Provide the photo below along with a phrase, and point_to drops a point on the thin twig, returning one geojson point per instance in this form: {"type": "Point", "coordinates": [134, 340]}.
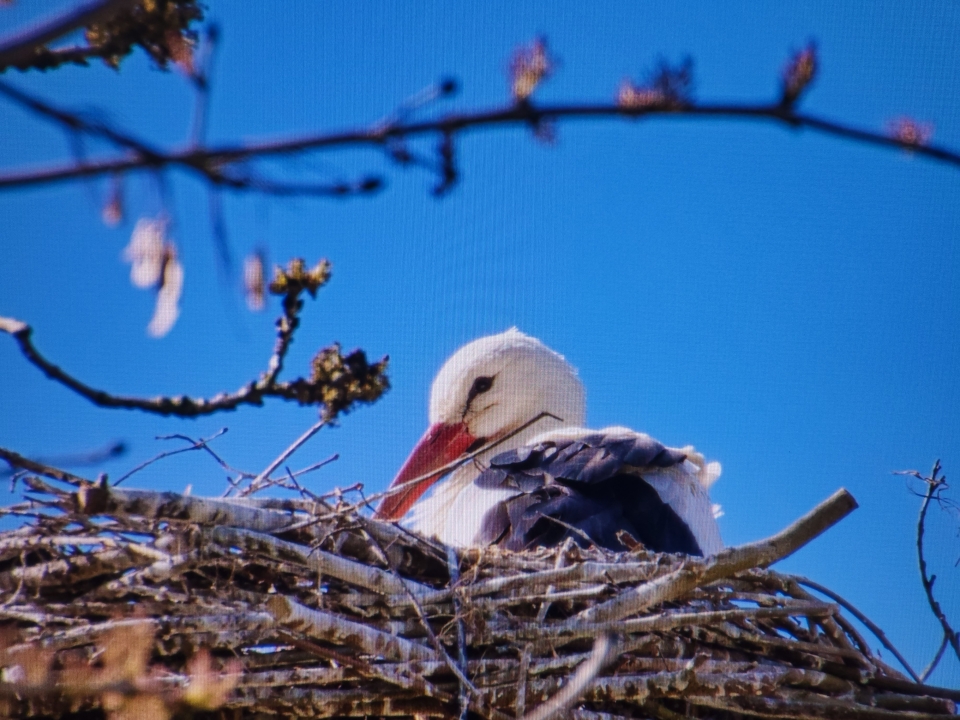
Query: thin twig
{"type": "Point", "coordinates": [934, 485]}
{"type": "Point", "coordinates": [258, 481]}
{"type": "Point", "coordinates": [201, 81]}
{"type": "Point", "coordinates": [210, 451]}
{"type": "Point", "coordinates": [468, 689]}
{"type": "Point", "coordinates": [424, 621]}
{"type": "Point", "coordinates": [579, 684]}
{"type": "Point", "coordinates": [290, 483]}
{"type": "Point", "coordinates": [317, 466]}
{"type": "Point", "coordinates": [250, 394]}
{"type": "Point", "coordinates": [873, 627]}
{"type": "Point", "coordinates": [76, 123]}
{"type": "Point", "coordinates": [196, 445]}
{"type": "Point", "coordinates": [453, 464]}
{"type": "Point", "coordinates": [928, 670]}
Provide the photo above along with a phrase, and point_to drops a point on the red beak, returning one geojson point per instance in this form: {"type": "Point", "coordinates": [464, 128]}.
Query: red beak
{"type": "Point", "coordinates": [440, 445]}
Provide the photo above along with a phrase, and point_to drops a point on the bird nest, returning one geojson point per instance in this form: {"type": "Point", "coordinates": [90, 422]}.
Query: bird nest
{"type": "Point", "coordinates": [129, 603]}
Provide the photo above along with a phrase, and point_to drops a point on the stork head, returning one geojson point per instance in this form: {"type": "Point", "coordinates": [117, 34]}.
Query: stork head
{"type": "Point", "coordinates": [487, 390]}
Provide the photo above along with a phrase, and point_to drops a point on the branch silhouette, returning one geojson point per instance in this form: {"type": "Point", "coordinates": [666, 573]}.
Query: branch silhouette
{"type": "Point", "coordinates": [22, 49]}
{"type": "Point", "coordinates": [666, 94]}
{"type": "Point", "coordinates": [337, 382]}
{"type": "Point", "coordinates": [936, 483]}
{"type": "Point", "coordinates": [112, 29]}
{"type": "Point", "coordinates": [220, 165]}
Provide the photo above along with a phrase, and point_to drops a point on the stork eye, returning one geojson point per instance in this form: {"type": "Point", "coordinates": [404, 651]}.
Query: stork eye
{"type": "Point", "coordinates": [481, 385]}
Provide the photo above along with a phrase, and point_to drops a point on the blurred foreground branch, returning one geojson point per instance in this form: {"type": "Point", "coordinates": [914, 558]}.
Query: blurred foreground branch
{"type": "Point", "coordinates": [666, 93]}
{"type": "Point", "coordinates": [113, 28]}
{"type": "Point", "coordinates": [22, 50]}
{"type": "Point", "coordinates": [224, 165]}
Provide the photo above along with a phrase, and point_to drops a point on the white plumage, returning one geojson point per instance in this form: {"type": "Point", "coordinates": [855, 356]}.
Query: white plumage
{"type": "Point", "coordinates": [490, 388]}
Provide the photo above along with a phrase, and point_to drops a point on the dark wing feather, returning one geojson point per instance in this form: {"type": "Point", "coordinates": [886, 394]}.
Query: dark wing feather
{"type": "Point", "coordinates": [575, 488]}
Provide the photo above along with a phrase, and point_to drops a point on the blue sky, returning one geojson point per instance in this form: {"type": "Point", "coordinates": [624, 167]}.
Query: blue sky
{"type": "Point", "coordinates": [784, 301]}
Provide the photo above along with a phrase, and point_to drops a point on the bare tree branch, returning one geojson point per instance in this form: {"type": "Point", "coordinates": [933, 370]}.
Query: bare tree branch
{"type": "Point", "coordinates": [77, 123]}
{"type": "Point", "coordinates": [250, 394]}
{"type": "Point", "coordinates": [239, 177]}
{"type": "Point", "coordinates": [19, 48]}
{"type": "Point", "coordinates": [337, 382]}
{"type": "Point", "coordinates": [935, 484]}
{"type": "Point", "coordinates": [214, 163]}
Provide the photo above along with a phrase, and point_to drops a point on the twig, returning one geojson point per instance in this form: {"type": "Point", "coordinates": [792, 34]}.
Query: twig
{"type": "Point", "coordinates": [326, 653]}
{"type": "Point", "coordinates": [365, 185]}
{"type": "Point", "coordinates": [578, 685]}
{"type": "Point", "coordinates": [316, 466]}
{"type": "Point", "coordinates": [424, 621]}
{"type": "Point", "coordinates": [196, 445]}
{"type": "Point", "coordinates": [21, 47]}
{"type": "Point", "coordinates": [289, 481]}
{"type": "Point", "coordinates": [250, 394]}
{"type": "Point", "coordinates": [468, 692]}
{"type": "Point", "coordinates": [663, 623]}
{"type": "Point", "coordinates": [204, 445]}
{"type": "Point", "coordinates": [258, 481]}
{"type": "Point", "coordinates": [101, 499]}
{"type": "Point", "coordinates": [454, 463]}
{"type": "Point", "coordinates": [852, 609]}
{"type": "Point", "coordinates": [569, 528]}
{"type": "Point", "coordinates": [928, 670]}
{"type": "Point", "coordinates": [201, 81]}
{"type": "Point", "coordinates": [75, 123]}
{"type": "Point", "coordinates": [934, 484]}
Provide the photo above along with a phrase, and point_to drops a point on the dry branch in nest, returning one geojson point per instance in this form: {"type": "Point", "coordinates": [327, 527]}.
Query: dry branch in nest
{"type": "Point", "coordinates": [131, 603]}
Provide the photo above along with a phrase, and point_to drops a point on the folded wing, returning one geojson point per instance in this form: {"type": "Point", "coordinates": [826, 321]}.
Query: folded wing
{"type": "Point", "coordinates": [595, 486]}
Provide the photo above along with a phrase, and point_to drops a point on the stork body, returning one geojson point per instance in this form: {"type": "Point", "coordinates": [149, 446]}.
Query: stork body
{"type": "Point", "coordinates": [551, 480]}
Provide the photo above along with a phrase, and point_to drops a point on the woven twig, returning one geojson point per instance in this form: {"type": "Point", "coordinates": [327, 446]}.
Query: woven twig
{"type": "Point", "coordinates": [328, 614]}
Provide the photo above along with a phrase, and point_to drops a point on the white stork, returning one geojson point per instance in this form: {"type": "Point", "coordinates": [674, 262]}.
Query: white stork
{"type": "Point", "coordinates": [552, 479]}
